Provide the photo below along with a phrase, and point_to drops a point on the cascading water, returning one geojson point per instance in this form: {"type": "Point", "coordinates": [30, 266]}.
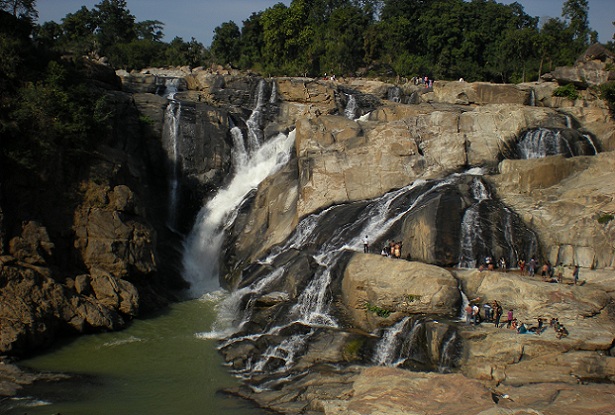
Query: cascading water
{"type": "Point", "coordinates": [171, 136]}
{"type": "Point", "coordinates": [489, 229]}
{"type": "Point", "coordinates": [254, 123]}
{"type": "Point", "coordinates": [387, 349]}
{"type": "Point", "coordinates": [202, 246]}
{"type": "Point", "coordinates": [314, 237]}
{"type": "Point", "coordinates": [543, 142]}
{"type": "Point", "coordinates": [350, 111]}
{"type": "Point", "coordinates": [471, 231]}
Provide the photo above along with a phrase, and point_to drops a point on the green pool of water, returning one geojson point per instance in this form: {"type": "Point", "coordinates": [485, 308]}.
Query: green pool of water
{"type": "Point", "coordinates": [156, 366]}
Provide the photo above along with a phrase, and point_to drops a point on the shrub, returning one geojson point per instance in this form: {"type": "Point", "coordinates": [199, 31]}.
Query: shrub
{"type": "Point", "coordinates": [379, 311]}
{"type": "Point", "coordinates": [567, 91]}
{"type": "Point", "coordinates": [607, 93]}
{"type": "Point", "coordinates": [605, 218]}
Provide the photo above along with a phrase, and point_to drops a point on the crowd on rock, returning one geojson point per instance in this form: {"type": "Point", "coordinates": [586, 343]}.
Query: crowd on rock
{"type": "Point", "coordinates": [493, 312]}
{"type": "Point", "coordinates": [547, 271]}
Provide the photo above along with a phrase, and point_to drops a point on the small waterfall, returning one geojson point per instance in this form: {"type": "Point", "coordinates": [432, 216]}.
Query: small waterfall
{"type": "Point", "coordinates": [255, 122]}
{"type": "Point", "coordinates": [471, 230]}
{"type": "Point", "coordinates": [167, 87]}
{"type": "Point", "coordinates": [172, 134]}
{"type": "Point", "coordinates": [590, 141]}
{"type": "Point", "coordinates": [568, 121]}
{"type": "Point", "coordinates": [543, 142]}
{"type": "Point", "coordinates": [388, 347]}
{"type": "Point", "coordinates": [202, 246]}
{"type": "Point", "coordinates": [274, 92]}
{"type": "Point", "coordinates": [532, 98]}
{"type": "Point", "coordinates": [350, 111]}
{"type": "Point", "coordinates": [449, 353]}
{"type": "Point", "coordinates": [463, 314]}
{"type": "Point", "coordinates": [394, 94]}
{"type": "Point", "coordinates": [539, 143]}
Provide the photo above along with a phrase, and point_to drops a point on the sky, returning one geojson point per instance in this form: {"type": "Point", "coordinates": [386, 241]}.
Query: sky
{"type": "Point", "coordinates": [199, 18]}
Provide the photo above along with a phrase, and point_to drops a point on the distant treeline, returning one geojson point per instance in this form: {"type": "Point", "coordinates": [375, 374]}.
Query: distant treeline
{"type": "Point", "coordinates": [444, 39]}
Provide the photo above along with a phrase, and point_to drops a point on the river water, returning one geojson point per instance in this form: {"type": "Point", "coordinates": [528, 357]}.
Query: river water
{"type": "Point", "coordinates": [160, 365]}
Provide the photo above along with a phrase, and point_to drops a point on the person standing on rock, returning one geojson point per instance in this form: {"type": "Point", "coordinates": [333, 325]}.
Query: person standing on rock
{"type": "Point", "coordinates": [575, 274]}
{"type": "Point", "coordinates": [497, 308]}
{"type": "Point", "coordinates": [509, 319]}
{"type": "Point", "coordinates": [365, 244]}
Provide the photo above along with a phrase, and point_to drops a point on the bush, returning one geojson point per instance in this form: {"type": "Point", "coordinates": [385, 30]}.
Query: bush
{"type": "Point", "coordinates": [605, 218]}
{"type": "Point", "coordinates": [567, 91]}
{"type": "Point", "coordinates": [607, 93]}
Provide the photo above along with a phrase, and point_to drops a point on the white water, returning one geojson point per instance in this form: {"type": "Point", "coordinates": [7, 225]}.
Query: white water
{"type": "Point", "coordinates": [591, 142]}
{"type": "Point", "coordinates": [386, 350]}
{"type": "Point", "coordinates": [172, 133]}
{"type": "Point", "coordinates": [350, 111]}
{"type": "Point", "coordinates": [471, 231]}
{"type": "Point", "coordinates": [543, 142]}
{"type": "Point", "coordinates": [255, 132]}
{"type": "Point", "coordinates": [203, 244]}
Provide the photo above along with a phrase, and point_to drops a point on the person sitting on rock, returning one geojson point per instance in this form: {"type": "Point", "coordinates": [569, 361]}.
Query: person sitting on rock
{"type": "Point", "coordinates": [562, 332]}
{"type": "Point", "coordinates": [522, 329]}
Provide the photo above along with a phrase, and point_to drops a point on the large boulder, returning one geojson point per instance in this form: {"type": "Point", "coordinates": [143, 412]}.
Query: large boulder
{"type": "Point", "coordinates": [568, 202]}
{"type": "Point", "coordinates": [373, 282]}
{"type": "Point", "coordinates": [112, 235]}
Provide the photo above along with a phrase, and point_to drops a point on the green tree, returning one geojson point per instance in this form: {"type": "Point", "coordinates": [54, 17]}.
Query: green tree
{"type": "Point", "coordinates": [114, 24]}
{"type": "Point", "coordinates": [150, 30]}
{"type": "Point", "coordinates": [225, 46]}
{"type": "Point", "coordinates": [576, 13]}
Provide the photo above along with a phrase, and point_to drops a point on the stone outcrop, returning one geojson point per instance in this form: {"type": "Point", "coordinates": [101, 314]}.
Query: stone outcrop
{"type": "Point", "coordinates": [593, 68]}
{"type": "Point", "coordinates": [568, 202]}
{"type": "Point", "coordinates": [397, 286]}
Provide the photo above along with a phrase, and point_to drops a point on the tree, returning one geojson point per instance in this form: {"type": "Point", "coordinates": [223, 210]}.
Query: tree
{"type": "Point", "coordinates": [23, 9]}
{"type": "Point", "coordinates": [225, 46]}
{"type": "Point", "coordinates": [150, 30]}
{"type": "Point", "coordinates": [114, 24]}
{"type": "Point", "coordinates": [576, 13]}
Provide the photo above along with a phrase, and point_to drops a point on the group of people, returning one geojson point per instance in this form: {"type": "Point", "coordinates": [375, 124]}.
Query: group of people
{"type": "Point", "coordinates": [422, 80]}
{"type": "Point", "coordinates": [547, 271]}
{"type": "Point", "coordinates": [493, 314]}
{"type": "Point", "coordinates": [392, 249]}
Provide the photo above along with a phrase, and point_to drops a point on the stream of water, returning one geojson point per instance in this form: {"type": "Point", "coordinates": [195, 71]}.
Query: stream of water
{"type": "Point", "coordinates": [157, 366]}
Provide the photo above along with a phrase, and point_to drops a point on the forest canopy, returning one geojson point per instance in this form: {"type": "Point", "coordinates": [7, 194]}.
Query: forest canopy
{"type": "Point", "coordinates": [444, 39]}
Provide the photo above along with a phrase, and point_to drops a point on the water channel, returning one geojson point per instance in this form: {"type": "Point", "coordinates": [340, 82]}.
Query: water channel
{"type": "Point", "coordinates": [159, 365]}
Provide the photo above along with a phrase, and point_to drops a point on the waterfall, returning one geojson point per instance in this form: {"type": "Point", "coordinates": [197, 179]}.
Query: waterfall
{"type": "Point", "coordinates": [448, 354]}
{"type": "Point", "coordinates": [254, 123]}
{"type": "Point", "coordinates": [388, 347]}
{"type": "Point", "coordinates": [471, 230]}
{"type": "Point", "coordinates": [463, 314]}
{"type": "Point", "coordinates": [311, 308]}
{"type": "Point", "coordinates": [394, 94]}
{"type": "Point", "coordinates": [350, 111]}
{"type": "Point", "coordinates": [532, 98]}
{"type": "Point", "coordinates": [167, 87]}
{"type": "Point", "coordinates": [568, 121]}
{"type": "Point", "coordinates": [171, 131]}
{"type": "Point", "coordinates": [590, 141]}
{"type": "Point", "coordinates": [203, 244]}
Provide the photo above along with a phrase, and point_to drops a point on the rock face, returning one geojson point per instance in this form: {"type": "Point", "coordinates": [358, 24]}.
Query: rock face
{"type": "Point", "coordinates": [396, 285]}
